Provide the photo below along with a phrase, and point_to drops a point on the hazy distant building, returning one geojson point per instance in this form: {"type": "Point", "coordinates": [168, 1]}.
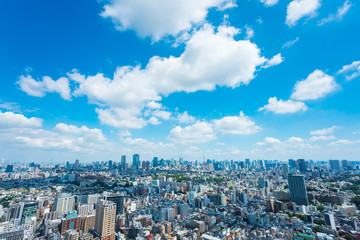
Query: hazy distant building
{"type": "Point", "coordinates": [123, 162]}
{"type": "Point", "coordinates": [335, 165]}
{"type": "Point", "coordinates": [136, 161]}
{"type": "Point", "coordinates": [297, 187]}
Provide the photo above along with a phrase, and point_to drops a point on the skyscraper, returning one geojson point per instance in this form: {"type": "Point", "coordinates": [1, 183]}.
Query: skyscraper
{"type": "Point", "coordinates": [335, 165]}
{"type": "Point", "coordinates": [105, 220]}
{"type": "Point", "coordinates": [302, 165]}
{"type": "Point", "coordinates": [119, 200]}
{"type": "Point", "coordinates": [123, 162]}
{"type": "Point", "coordinates": [136, 161]}
{"type": "Point", "coordinates": [297, 187]}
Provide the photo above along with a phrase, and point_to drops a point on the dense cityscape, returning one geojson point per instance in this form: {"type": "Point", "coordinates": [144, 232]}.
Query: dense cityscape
{"type": "Point", "coordinates": [181, 200]}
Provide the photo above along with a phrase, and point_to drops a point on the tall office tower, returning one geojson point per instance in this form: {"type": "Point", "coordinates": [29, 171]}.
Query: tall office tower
{"type": "Point", "coordinates": [64, 203]}
{"type": "Point", "coordinates": [123, 162]}
{"type": "Point", "coordinates": [302, 165]}
{"type": "Point", "coordinates": [105, 220]}
{"type": "Point", "coordinates": [77, 164]}
{"type": "Point", "coordinates": [85, 209]}
{"type": "Point", "coordinates": [155, 162]}
{"type": "Point", "coordinates": [247, 162]}
{"type": "Point", "coordinates": [118, 199]}
{"type": "Point", "coordinates": [335, 165]}
{"type": "Point", "coordinates": [136, 161]}
{"type": "Point", "coordinates": [184, 209]}
{"type": "Point", "coordinates": [292, 165]}
{"type": "Point", "coordinates": [344, 164]}
{"type": "Point", "coordinates": [9, 168]}
{"type": "Point", "coordinates": [297, 187]}
{"type": "Point", "coordinates": [110, 164]}
{"type": "Point", "coordinates": [330, 220]}
{"type": "Point", "coordinates": [285, 170]}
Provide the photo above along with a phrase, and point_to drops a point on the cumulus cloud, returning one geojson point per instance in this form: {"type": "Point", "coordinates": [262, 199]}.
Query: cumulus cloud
{"type": "Point", "coordinates": [341, 11]}
{"type": "Point", "coordinates": [185, 117]}
{"type": "Point", "coordinates": [249, 32]}
{"type": "Point", "coordinates": [269, 3]}
{"type": "Point", "coordinates": [321, 138]}
{"type": "Point", "coordinates": [14, 120]}
{"type": "Point", "coordinates": [160, 18]}
{"type": "Point", "coordinates": [212, 57]}
{"type": "Point", "coordinates": [351, 71]}
{"type": "Point", "coordinates": [198, 132]}
{"type": "Point", "coordinates": [40, 88]}
{"type": "Point", "coordinates": [236, 125]}
{"type": "Point", "coordinates": [62, 138]}
{"type": "Point", "coordinates": [281, 107]}
{"type": "Point", "coordinates": [148, 147]}
{"type": "Point", "coordinates": [203, 131]}
{"type": "Point", "coordinates": [275, 60]}
{"type": "Point", "coordinates": [324, 131]}
{"type": "Point", "coordinates": [271, 140]}
{"type": "Point", "coordinates": [298, 9]}
{"type": "Point", "coordinates": [317, 85]}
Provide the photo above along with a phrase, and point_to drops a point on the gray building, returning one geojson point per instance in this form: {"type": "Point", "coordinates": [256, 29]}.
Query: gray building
{"type": "Point", "coordinates": [297, 187]}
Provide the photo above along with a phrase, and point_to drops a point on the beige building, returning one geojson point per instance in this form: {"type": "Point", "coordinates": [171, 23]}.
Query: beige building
{"type": "Point", "coordinates": [71, 235]}
{"type": "Point", "coordinates": [105, 220]}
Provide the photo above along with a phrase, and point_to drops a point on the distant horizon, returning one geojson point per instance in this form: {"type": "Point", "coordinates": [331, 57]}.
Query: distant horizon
{"type": "Point", "coordinates": [223, 79]}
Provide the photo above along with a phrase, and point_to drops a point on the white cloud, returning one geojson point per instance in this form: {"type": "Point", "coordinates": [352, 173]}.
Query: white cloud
{"type": "Point", "coordinates": [269, 3]}
{"type": "Point", "coordinates": [341, 11]}
{"type": "Point", "coordinates": [154, 121]}
{"type": "Point", "coordinates": [121, 118]}
{"type": "Point", "coordinates": [13, 120]}
{"type": "Point", "coordinates": [295, 140]}
{"type": "Point", "coordinates": [198, 132]}
{"type": "Point", "coordinates": [211, 58]}
{"type": "Point", "coordinates": [249, 32]}
{"type": "Point", "coordinates": [356, 132]}
{"type": "Point", "coordinates": [236, 125]}
{"type": "Point", "coordinates": [315, 86]}
{"type": "Point", "coordinates": [147, 147]}
{"type": "Point", "coordinates": [344, 142]}
{"type": "Point", "coordinates": [275, 60]}
{"type": "Point", "coordinates": [40, 88]}
{"type": "Point", "coordinates": [62, 138]}
{"type": "Point", "coordinates": [321, 138]}
{"type": "Point", "coordinates": [351, 71]}
{"type": "Point", "coordinates": [281, 107]}
{"type": "Point", "coordinates": [272, 140]}
{"type": "Point", "coordinates": [290, 43]}
{"type": "Point", "coordinates": [298, 9]}
{"type": "Point", "coordinates": [11, 106]}
{"type": "Point", "coordinates": [185, 117]}
{"type": "Point", "coordinates": [160, 18]}
{"type": "Point", "coordinates": [324, 131]}
{"type": "Point", "coordinates": [165, 115]}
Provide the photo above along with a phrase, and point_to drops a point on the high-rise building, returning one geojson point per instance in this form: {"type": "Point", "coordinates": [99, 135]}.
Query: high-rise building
{"type": "Point", "coordinates": [302, 165]}
{"type": "Point", "coordinates": [64, 203]}
{"type": "Point", "coordinates": [344, 164]}
{"type": "Point", "coordinates": [297, 187]}
{"type": "Point", "coordinates": [110, 164]}
{"type": "Point", "coordinates": [9, 168]}
{"type": "Point", "coordinates": [123, 162]}
{"type": "Point", "coordinates": [285, 170]}
{"type": "Point", "coordinates": [155, 162]}
{"type": "Point", "coordinates": [105, 220]}
{"type": "Point", "coordinates": [335, 165]}
{"type": "Point", "coordinates": [136, 161]}
{"type": "Point", "coordinates": [330, 220]}
{"type": "Point", "coordinates": [87, 223]}
{"type": "Point", "coordinates": [77, 164]}
{"type": "Point", "coordinates": [292, 165]}
{"type": "Point", "coordinates": [184, 209]}
{"type": "Point", "coordinates": [118, 199]}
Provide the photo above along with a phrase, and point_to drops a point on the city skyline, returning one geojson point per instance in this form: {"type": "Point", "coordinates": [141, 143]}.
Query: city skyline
{"type": "Point", "coordinates": [224, 79]}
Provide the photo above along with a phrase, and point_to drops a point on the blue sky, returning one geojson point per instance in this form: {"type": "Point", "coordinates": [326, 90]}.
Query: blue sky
{"type": "Point", "coordinates": [224, 79]}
